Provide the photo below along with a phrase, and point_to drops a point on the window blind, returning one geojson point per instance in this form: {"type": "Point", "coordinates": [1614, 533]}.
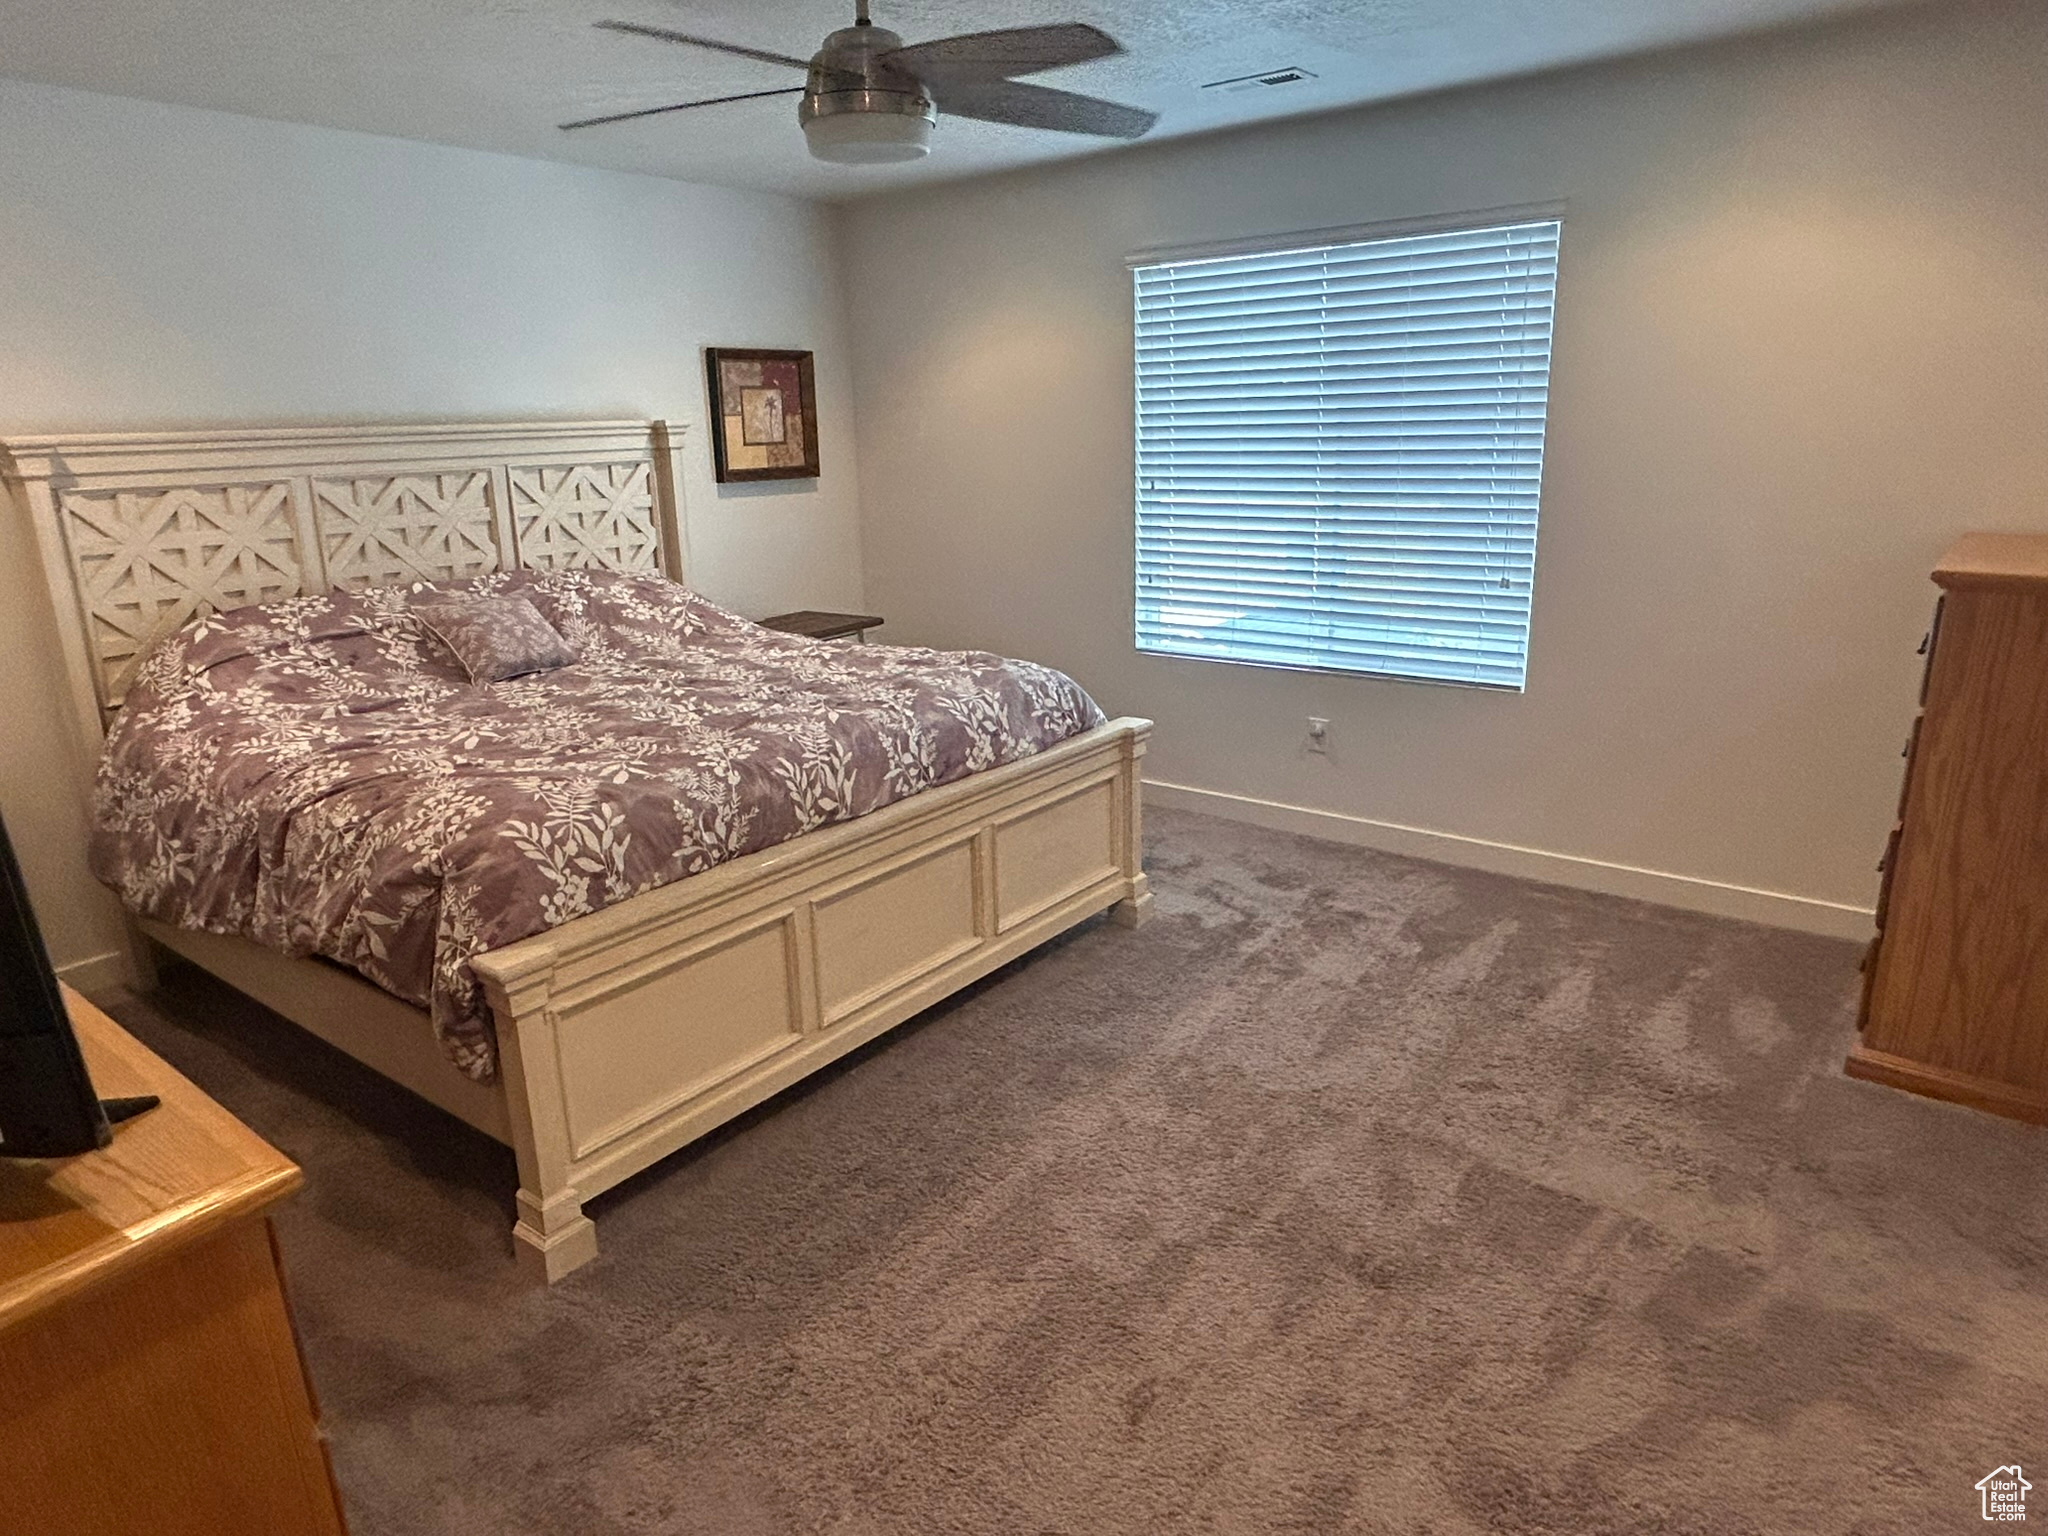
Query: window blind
{"type": "Point", "coordinates": [1340, 449]}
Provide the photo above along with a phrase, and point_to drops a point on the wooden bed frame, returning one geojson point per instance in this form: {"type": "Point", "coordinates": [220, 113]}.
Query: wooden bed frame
{"type": "Point", "coordinates": [627, 1033]}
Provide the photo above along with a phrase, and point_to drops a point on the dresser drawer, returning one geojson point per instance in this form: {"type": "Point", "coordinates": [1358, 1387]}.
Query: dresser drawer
{"type": "Point", "coordinates": [1889, 867]}
{"type": "Point", "coordinates": [1906, 778]}
{"type": "Point", "coordinates": [1928, 642]}
{"type": "Point", "coordinates": [1868, 966]}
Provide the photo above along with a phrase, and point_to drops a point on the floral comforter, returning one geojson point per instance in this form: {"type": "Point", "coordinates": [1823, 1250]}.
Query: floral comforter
{"type": "Point", "coordinates": [319, 776]}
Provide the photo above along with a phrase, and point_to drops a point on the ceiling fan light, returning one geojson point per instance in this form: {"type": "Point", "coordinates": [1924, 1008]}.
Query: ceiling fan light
{"type": "Point", "coordinates": [869, 138]}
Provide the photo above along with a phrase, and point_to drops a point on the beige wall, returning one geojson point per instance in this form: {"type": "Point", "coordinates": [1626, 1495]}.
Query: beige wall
{"type": "Point", "coordinates": [1802, 341]}
{"type": "Point", "coordinates": [161, 266]}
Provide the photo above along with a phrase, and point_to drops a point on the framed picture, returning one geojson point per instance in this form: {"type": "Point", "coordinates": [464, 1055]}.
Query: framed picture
{"type": "Point", "coordinates": [764, 421]}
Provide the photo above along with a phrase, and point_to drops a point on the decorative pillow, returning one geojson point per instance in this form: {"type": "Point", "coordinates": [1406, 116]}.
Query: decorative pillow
{"type": "Point", "coordinates": [496, 637]}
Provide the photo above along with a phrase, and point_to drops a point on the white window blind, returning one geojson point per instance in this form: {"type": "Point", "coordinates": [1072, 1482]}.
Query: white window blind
{"type": "Point", "coordinates": [1339, 452]}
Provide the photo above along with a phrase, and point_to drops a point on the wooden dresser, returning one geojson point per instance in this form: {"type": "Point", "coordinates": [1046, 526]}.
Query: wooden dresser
{"type": "Point", "coordinates": [1955, 997]}
{"type": "Point", "coordinates": [150, 1380]}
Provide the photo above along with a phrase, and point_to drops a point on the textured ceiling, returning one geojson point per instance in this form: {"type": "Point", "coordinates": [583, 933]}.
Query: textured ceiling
{"type": "Point", "coordinates": [499, 74]}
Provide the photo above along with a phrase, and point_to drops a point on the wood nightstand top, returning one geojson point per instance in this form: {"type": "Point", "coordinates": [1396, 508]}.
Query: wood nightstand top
{"type": "Point", "coordinates": [817, 624]}
{"type": "Point", "coordinates": [174, 1173]}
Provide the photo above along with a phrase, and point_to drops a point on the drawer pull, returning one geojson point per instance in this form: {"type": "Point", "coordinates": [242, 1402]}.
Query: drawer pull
{"type": "Point", "coordinates": [1906, 776]}
{"type": "Point", "coordinates": [1927, 645]}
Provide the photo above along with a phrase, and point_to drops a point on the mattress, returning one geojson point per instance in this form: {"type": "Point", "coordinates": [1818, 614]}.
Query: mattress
{"type": "Point", "coordinates": [320, 775]}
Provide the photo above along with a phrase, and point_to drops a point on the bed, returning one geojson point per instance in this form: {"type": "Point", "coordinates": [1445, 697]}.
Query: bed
{"type": "Point", "coordinates": [619, 1035]}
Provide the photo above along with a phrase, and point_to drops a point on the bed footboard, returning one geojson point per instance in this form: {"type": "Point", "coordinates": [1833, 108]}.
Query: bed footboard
{"type": "Point", "coordinates": [628, 1033]}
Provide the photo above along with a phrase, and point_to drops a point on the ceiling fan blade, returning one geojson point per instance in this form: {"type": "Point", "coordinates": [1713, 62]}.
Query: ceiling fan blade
{"type": "Point", "coordinates": [681, 106]}
{"type": "Point", "coordinates": [1001, 55]}
{"type": "Point", "coordinates": [663, 34]}
{"type": "Point", "coordinates": [1038, 106]}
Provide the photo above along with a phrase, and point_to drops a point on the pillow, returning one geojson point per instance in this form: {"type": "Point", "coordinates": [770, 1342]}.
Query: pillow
{"type": "Point", "coordinates": [496, 637]}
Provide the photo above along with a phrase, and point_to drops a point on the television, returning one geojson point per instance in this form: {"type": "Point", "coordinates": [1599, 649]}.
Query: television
{"type": "Point", "coordinates": [47, 1104]}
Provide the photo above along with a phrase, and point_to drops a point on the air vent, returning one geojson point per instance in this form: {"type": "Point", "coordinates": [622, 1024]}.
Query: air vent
{"type": "Point", "coordinates": [1266, 79]}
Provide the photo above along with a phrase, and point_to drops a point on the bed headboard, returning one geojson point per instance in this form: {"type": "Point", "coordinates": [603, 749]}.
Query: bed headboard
{"type": "Point", "coordinates": [139, 532]}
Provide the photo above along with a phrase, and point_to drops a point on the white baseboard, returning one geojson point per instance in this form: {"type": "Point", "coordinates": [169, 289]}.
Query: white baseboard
{"type": "Point", "coordinates": [97, 975]}
{"type": "Point", "coordinates": [1775, 908]}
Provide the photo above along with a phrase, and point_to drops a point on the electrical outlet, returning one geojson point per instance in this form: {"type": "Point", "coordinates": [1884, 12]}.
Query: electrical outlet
{"type": "Point", "coordinates": [1318, 734]}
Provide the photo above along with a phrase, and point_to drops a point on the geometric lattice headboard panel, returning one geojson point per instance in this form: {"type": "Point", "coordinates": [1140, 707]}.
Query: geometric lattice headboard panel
{"type": "Point", "coordinates": [140, 532]}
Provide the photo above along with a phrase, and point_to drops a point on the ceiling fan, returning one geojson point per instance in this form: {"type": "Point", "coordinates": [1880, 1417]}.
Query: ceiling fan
{"type": "Point", "coordinates": [870, 99]}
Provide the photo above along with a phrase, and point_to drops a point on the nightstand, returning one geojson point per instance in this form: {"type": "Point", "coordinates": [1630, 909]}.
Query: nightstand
{"type": "Point", "coordinates": [154, 1379]}
{"type": "Point", "coordinates": [814, 625]}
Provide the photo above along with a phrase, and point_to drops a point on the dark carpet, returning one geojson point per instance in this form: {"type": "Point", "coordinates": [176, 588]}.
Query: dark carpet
{"type": "Point", "coordinates": [1352, 1194]}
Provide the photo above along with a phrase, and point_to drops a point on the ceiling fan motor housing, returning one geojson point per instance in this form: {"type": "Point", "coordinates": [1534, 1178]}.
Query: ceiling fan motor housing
{"type": "Point", "coordinates": [857, 110]}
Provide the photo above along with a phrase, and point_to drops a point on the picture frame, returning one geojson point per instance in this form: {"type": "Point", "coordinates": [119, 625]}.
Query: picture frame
{"type": "Point", "coordinates": [764, 421]}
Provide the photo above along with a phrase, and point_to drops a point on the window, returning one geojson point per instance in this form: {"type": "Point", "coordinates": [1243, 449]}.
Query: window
{"type": "Point", "coordinates": [1339, 452]}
